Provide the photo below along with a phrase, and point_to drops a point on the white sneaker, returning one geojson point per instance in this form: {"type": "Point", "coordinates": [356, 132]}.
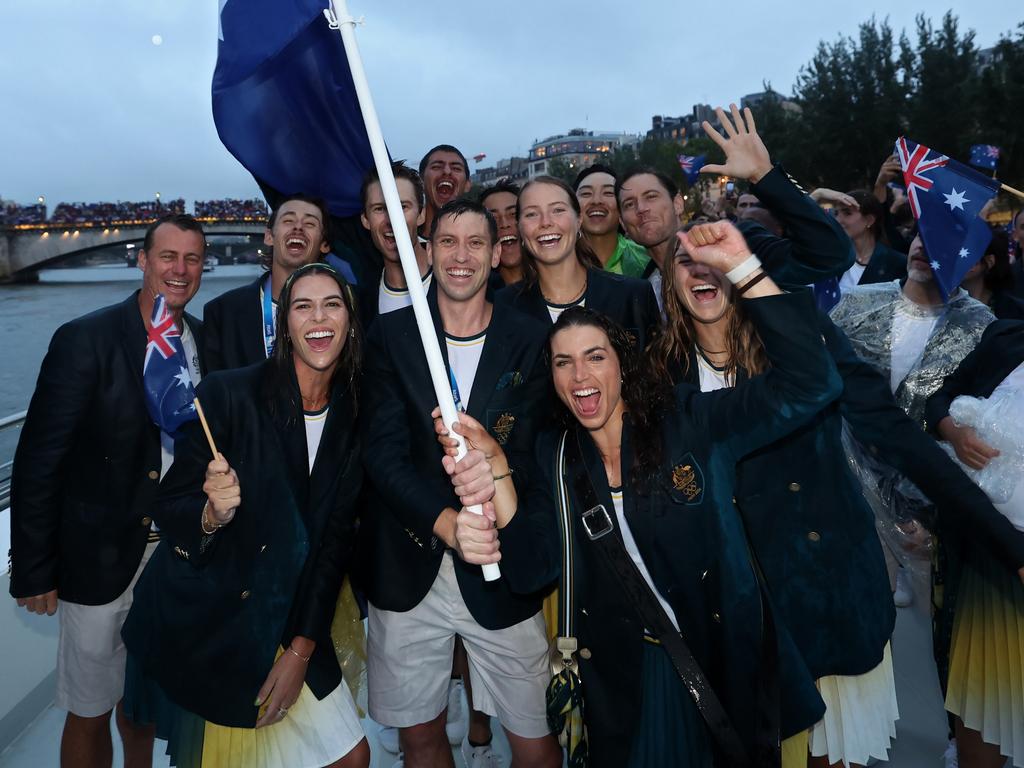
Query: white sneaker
{"type": "Point", "coordinates": [457, 726]}
{"type": "Point", "coordinates": [481, 757]}
{"type": "Point", "coordinates": [904, 594]}
{"type": "Point", "coordinates": [950, 758]}
{"type": "Point", "coordinates": [388, 738]}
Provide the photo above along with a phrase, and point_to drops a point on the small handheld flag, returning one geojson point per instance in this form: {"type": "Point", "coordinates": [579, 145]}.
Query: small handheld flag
{"type": "Point", "coordinates": [984, 156]}
{"type": "Point", "coordinates": [165, 376]}
{"type": "Point", "coordinates": [946, 198]}
{"type": "Point", "coordinates": [691, 165]}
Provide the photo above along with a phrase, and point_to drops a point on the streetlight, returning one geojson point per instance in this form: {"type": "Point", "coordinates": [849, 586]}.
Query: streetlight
{"type": "Point", "coordinates": [158, 200]}
{"type": "Point", "coordinates": [41, 199]}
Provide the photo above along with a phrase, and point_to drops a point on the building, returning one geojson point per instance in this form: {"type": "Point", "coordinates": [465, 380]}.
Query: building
{"type": "Point", "coordinates": [577, 149]}
{"type": "Point", "coordinates": [509, 169]}
{"type": "Point", "coordinates": [754, 100]}
{"type": "Point", "coordinates": [682, 129]}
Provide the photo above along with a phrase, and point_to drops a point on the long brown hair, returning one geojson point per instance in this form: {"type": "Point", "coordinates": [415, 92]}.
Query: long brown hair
{"type": "Point", "coordinates": [584, 253]}
{"type": "Point", "coordinates": [670, 351]}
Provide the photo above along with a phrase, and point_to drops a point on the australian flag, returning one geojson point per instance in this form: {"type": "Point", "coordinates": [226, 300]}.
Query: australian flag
{"type": "Point", "coordinates": [946, 198]}
{"type": "Point", "coordinates": [165, 376]}
{"type": "Point", "coordinates": [984, 156]}
{"type": "Point", "coordinates": [691, 165]}
{"type": "Point", "coordinates": [284, 102]}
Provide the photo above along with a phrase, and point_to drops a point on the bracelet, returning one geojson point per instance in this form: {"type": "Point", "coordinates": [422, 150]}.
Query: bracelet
{"type": "Point", "coordinates": [496, 478]}
{"type": "Point", "coordinates": [203, 521]}
{"type": "Point", "coordinates": [736, 274]}
{"type": "Point", "coordinates": [296, 653]}
{"type": "Point", "coordinates": [751, 283]}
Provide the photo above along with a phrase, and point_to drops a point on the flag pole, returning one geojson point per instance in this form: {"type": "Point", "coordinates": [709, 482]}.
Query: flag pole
{"type": "Point", "coordinates": [1011, 190]}
{"type": "Point", "coordinates": [345, 23]}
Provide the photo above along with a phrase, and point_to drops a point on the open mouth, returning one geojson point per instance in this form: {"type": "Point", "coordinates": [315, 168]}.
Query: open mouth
{"type": "Point", "coordinates": [459, 273]}
{"type": "Point", "coordinates": [508, 240]}
{"type": "Point", "coordinates": [597, 213]}
{"type": "Point", "coordinates": [587, 401]}
{"type": "Point", "coordinates": [296, 246]}
{"type": "Point", "coordinates": [445, 188]}
{"type": "Point", "coordinates": [549, 241]}
{"type": "Point", "coordinates": [319, 339]}
{"type": "Point", "coordinates": [176, 286]}
{"type": "Point", "coordinates": [705, 292]}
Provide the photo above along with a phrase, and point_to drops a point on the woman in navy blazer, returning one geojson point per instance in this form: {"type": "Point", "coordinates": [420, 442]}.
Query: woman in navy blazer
{"type": "Point", "coordinates": [231, 625]}
{"type": "Point", "coordinates": [561, 271]}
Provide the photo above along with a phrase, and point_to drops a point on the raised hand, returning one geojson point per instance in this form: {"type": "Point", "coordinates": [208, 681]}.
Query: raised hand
{"type": "Point", "coordinates": [826, 195]}
{"type": "Point", "coordinates": [746, 156]}
{"type": "Point", "coordinates": [718, 244]}
{"type": "Point", "coordinates": [222, 490]}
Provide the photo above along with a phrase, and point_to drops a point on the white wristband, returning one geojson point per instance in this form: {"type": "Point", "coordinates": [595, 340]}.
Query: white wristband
{"type": "Point", "coordinates": [744, 270]}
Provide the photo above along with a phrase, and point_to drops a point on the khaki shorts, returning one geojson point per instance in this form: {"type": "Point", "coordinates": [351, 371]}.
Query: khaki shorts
{"type": "Point", "coordinates": [90, 654]}
{"type": "Point", "coordinates": [410, 662]}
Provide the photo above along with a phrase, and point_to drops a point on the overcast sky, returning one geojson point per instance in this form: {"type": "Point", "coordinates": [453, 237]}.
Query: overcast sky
{"type": "Point", "coordinates": [95, 109]}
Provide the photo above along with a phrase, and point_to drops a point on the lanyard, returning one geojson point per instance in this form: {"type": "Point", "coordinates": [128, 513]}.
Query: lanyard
{"type": "Point", "coordinates": [455, 391]}
{"type": "Point", "coordinates": [269, 316]}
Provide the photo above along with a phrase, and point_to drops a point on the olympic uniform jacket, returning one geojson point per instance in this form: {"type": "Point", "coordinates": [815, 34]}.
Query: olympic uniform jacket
{"type": "Point", "coordinates": [691, 537]}
{"type": "Point", "coordinates": [408, 487]}
{"type": "Point", "coordinates": [211, 612]}
{"type": "Point", "coordinates": [233, 328]}
{"type": "Point", "coordinates": [628, 301]}
{"type": "Point", "coordinates": [87, 465]}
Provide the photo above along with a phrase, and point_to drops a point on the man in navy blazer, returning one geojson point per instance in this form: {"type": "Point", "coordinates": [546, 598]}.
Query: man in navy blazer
{"type": "Point", "coordinates": [420, 596]}
{"type": "Point", "coordinates": [84, 484]}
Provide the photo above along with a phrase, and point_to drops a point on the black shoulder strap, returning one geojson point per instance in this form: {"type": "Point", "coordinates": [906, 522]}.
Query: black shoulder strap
{"type": "Point", "coordinates": [597, 524]}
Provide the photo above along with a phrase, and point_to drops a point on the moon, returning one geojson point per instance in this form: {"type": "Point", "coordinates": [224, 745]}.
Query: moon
{"type": "Point", "coordinates": [157, 40]}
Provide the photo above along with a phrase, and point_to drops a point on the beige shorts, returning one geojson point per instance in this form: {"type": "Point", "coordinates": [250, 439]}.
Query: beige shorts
{"type": "Point", "coordinates": [410, 662]}
{"type": "Point", "coordinates": [90, 655]}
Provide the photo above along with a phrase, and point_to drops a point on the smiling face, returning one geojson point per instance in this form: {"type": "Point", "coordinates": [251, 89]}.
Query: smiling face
{"type": "Point", "coordinates": [919, 268]}
{"type": "Point", "coordinates": [649, 214]}
{"type": "Point", "coordinates": [445, 178]}
{"type": "Point", "coordinates": [502, 206]}
{"type": "Point", "coordinates": [375, 217]}
{"type": "Point", "coordinates": [297, 235]}
{"type": "Point", "coordinates": [704, 291]}
{"type": "Point", "coordinates": [548, 223]}
{"type": "Point", "coordinates": [599, 211]}
{"type": "Point", "coordinates": [586, 375]}
{"type": "Point", "coordinates": [463, 255]}
{"type": "Point", "coordinates": [318, 322]}
{"type": "Point", "coordinates": [173, 265]}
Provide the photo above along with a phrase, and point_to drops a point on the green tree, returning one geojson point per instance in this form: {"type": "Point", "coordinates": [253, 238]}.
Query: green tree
{"type": "Point", "coordinates": [1000, 104]}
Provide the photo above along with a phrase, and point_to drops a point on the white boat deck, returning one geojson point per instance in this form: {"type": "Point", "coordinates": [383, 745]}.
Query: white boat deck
{"type": "Point", "coordinates": [921, 730]}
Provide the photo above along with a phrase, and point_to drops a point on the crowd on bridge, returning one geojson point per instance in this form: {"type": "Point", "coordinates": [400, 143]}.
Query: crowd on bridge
{"type": "Point", "coordinates": [705, 454]}
{"type": "Point", "coordinates": [121, 213]}
{"type": "Point", "coordinates": [231, 210]}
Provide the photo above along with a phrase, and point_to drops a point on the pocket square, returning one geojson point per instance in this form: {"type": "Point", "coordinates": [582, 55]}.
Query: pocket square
{"type": "Point", "coordinates": [510, 379]}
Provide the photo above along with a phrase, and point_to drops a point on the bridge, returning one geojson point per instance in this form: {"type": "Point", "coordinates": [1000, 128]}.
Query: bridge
{"type": "Point", "coordinates": [25, 249]}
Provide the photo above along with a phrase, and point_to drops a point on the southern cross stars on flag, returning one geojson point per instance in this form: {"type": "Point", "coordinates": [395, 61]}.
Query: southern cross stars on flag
{"type": "Point", "coordinates": [946, 198]}
{"type": "Point", "coordinates": [165, 377]}
{"type": "Point", "coordinates": [691, 165]}
{"type": "Point", "coordinates": [984, 156]}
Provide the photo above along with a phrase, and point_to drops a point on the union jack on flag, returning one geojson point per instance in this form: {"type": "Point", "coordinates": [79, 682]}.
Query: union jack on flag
{"type": "Point", "coordinates": [691, 165]}
{"type": "Point", "coordinates": [165, 372]}
{"type": "Point", "coordinates": [946, 198]}
{"type": "Point", "coordinates": [984, 156]}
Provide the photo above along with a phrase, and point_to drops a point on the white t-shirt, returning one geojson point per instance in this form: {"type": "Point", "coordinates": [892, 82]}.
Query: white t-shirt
{"type": "Point", "coordinates": [389, 299]}
{"type": "Point", "coordinates": [555, 310]}
{"type": "Point", "coordinates": [911, 328]}
{"type": "Point", "coordinates": [851, 277]}
{"type": "Point", "coordinates": [634, 553]}
{"type": "Point", "coordinates": [463, 360]}
{"type": "Point", "coordinates": [194, 373]}
{"type": "Point", "coordinates": [711, 378]}
{"type": "Point", "coordinates": [655, 281]}
{"type": "Point", "coordinates": [314, 431]}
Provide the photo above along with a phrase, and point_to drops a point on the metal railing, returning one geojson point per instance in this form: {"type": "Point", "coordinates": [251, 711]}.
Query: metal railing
{"type": "Point", "coordinates": [13, 421]}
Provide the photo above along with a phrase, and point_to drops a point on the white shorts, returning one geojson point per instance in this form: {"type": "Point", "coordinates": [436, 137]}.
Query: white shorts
{"type": "Point", "coordinates": [410, 661]}
{"type": "Point", "coordinates": [90, 655]}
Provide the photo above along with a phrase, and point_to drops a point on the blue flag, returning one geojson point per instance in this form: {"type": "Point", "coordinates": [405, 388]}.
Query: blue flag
{"type": "Point", "coordinates": [284, 102]}
{"type": "Point", "coordinates": [827, 293]}
{"type": "Point", "coordinates": [946, 198]}
{"type": "Point", "coordinates": [165, 377]}
{"type": "Point", "coordinates": [984, 156]}
{"type": "Point", "coordinates": [691, 165]}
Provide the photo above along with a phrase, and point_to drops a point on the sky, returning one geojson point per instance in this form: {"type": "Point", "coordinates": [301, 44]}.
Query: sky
{"type": "Point", "coordinates": [110, 99]}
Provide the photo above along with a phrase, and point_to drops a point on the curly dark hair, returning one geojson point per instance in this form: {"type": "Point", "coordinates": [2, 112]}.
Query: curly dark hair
{"type": "Point", "coordinates": [282, 367]}
{"type": "Point", "coordinates": [644, 403]}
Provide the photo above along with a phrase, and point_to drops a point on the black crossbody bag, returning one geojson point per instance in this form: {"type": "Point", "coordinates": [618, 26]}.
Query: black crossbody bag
{"type": "Point", "coordinates": [598, 524]}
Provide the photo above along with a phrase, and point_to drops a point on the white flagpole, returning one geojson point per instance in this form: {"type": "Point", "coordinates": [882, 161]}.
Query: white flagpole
{"type": "Point", "coordinates": [438, 374]}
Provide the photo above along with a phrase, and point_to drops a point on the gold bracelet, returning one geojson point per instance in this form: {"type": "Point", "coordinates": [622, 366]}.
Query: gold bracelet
{"type": "Point", "coordinates": [203, 521]}
{"type": "Point", "coordinates": [496, 478]}
{"type": "Point", "coordinates": [296, 653]}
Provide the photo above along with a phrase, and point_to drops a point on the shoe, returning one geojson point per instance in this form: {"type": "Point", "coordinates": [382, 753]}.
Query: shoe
{"type": "Point", "coordinates": [480, 757]}
{"type": "Point", "coordinates": [950, 758]}
{"type": "Point", "coordinates": [388, 738]}
{"type": "Point", "coordinates": [904, 594]}
{"type": "Point", "coordinates": [457, 726]}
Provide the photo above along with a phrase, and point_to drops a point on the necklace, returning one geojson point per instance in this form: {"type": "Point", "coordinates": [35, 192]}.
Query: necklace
{"type": "Point", "coordinates": [573, 300]}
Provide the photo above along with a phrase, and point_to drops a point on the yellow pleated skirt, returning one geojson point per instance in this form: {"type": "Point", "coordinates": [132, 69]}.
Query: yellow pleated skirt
{"type": "Point", "coordinates": [986, 664]}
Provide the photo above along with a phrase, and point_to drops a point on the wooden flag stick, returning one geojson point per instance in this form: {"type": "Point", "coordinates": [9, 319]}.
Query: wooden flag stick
{"type": "Point", "coordinates": [206, 428]}
{"type": "Point", "coordinates": [1012, 191]}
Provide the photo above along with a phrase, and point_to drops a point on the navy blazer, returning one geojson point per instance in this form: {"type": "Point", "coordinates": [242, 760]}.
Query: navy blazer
{"type": "Point", "coordinates": [884, 266]}
{"type": "Point", "coordinates": [87, 464]}
{"type": "Point", "coordinates": [408, 487]}
{"type": "Point", "coordinates": [233, 325]}
{"type": "Point", "coordinates": [690, 536]}
{"type": "Point", "coordinates": [628, 301]}
{"type": "Point", "coordinates": [210, 612]}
